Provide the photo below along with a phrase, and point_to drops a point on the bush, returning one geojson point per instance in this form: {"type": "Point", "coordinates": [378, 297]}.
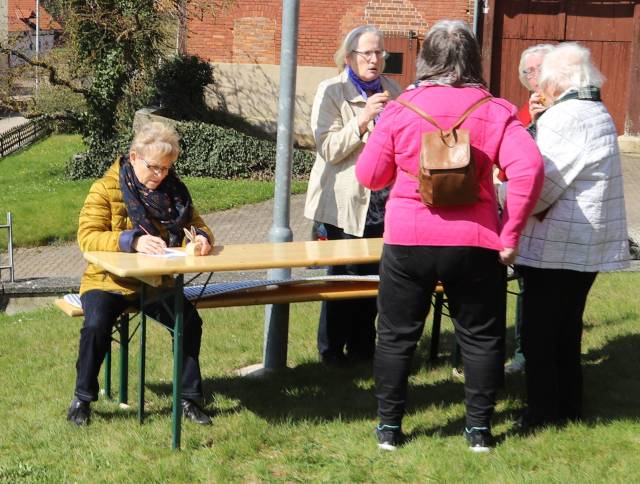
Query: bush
{"type": "Point", "coordinates": [206, 150]}
{"type": "Point", "coordinates": [94, 163]}
{"type": "Point", "coordinates": [179, 85]}
{"type": "Point", "coordinates": [214, 151]}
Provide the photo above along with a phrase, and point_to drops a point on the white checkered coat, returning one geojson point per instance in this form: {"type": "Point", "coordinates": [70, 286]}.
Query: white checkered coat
{"type": "Point", "coordinates": [585, 228]}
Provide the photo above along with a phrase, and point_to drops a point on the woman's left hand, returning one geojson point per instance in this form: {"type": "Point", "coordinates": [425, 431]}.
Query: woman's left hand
{"type": "Point", "coordinates": [508, 255]}
{"type": "Point", "coordinates": [205, 246]}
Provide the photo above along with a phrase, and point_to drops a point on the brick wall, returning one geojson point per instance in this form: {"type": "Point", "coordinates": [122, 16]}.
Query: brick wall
{"type": "Point", "coordinates": [249, 31]}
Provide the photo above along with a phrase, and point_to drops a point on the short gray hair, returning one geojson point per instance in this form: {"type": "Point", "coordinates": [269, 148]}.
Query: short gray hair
{"type": "Point", "coordinates": [450, 51]}
{"type": "Point", "coordinates": [159, 138]}
{"type": "Point", "coordinates": [350, 43]}
{"type": "Point", "coordinates": [540, 49]}
{"type": "Point", "coordinates": [569, 66]}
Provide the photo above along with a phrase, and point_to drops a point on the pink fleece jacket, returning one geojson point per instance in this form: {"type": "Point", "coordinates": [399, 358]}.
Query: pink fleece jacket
{"type": "Point", "coordinates": [497, 137]}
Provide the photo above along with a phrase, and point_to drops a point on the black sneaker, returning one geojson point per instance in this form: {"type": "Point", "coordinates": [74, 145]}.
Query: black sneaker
{"type": "Point", "coordinates": [479, 439]}
{"type": "Point", "coordinates": [516, 366]}
{"type": "Point", "coordinates": [194, 413]}
{"type": "Point", "coordinates": [389, 437]}
{"type": "Point", "coordinates": [79, 412]}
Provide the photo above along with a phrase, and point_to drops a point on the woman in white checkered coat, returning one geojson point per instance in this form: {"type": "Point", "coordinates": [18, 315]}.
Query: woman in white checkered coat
{"type": "Point", "coordinates": [578, 230]}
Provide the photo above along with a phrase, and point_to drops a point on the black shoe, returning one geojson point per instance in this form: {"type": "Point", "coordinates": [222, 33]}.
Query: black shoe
{"type": "Point", "coordinates": [79, 412]}
{"type": "Point", "coordinates": [334, 361]}
{"type": "Point", "coordinates": [479, 439]}
{"type": "Point", "coordinates": [525, 424]}
{"type": "Point", "coordinates": [194, 413]}
{"type": "Point", "coordinates": [389, 437]}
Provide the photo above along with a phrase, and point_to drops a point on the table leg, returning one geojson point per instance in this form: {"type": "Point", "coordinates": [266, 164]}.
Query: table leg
{"type": "Point", "coordinates": [177, 362]}
{"type": "Point", "coordinates": [143, 348]}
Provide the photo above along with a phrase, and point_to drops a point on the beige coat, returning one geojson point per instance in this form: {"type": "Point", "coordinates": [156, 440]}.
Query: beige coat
{"type": "Point", "coordinates": [334, 196]}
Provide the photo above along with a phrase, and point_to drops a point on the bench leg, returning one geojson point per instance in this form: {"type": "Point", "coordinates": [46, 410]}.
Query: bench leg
{"type": "Point", "coordinates": [124, 359]}
{"type": "Point", "coordinates": [435, 329]}
{"type": "Point", "coordinates": [107, 373]}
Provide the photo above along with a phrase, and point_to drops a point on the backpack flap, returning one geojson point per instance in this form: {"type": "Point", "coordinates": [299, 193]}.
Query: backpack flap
{"type": "Point", "coordinates": [447, 175]}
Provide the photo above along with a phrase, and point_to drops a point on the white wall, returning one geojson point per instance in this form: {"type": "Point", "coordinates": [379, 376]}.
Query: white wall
{"type": "Point", "coordinates": [252, 90]}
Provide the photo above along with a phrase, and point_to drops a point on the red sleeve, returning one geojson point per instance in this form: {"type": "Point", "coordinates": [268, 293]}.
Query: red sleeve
{"type": "Point", "coordinates": [523, 114]}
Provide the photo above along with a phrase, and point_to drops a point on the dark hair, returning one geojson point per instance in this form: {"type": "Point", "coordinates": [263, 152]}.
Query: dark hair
{"type": "Point", "coordinates": [450, 50]}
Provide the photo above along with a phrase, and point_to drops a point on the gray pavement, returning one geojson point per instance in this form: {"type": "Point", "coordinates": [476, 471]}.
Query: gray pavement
{"type": "Point", "coordinates": [10, 121]}
{"type": "Point", "coordinates": [251, 224]}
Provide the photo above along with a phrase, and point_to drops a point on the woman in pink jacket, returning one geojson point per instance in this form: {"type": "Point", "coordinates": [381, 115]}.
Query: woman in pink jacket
{"type": "Point", "coordinates": [466, 247]}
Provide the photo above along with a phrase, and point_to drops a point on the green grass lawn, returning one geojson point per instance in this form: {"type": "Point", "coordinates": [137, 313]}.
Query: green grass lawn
{"type": "Point", "coordinates": [45, 205]}
{"type": "Point", "coordinates": [309, 423]}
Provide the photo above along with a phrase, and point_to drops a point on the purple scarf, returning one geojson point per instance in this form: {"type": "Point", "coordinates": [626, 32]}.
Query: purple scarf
{"type": "Point", "coordinates": [364, 86]}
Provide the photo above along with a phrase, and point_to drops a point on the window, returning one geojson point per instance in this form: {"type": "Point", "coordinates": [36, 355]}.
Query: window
{"type": "Point", "coordinates": [394, 63]}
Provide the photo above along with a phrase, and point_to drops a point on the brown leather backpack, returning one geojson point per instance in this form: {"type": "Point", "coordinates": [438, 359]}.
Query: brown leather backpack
{"type": "Point", "coordinates": [447, 174]}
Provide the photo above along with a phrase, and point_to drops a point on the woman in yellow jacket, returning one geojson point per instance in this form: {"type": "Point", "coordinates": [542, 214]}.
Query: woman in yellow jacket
{"type": "Point", "coordinates": [139, 205]}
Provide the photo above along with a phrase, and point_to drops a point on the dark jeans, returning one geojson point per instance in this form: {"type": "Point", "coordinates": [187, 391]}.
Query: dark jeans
{"type": "Point", "coordinates": [350, 323]}
{"type": "Point", "coordinates": [554, 301]}
{"type": "Point", "coordinates": [518, 355]}
{"type": "Point", "coordinates": [101, 310]}
{"type": "Point", "coordinates": [475, 283]}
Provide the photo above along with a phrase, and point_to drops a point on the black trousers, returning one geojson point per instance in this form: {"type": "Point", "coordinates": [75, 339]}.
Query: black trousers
{"type": "Point", "coordinates": [349, 324]}
{"type": "Point", "coordinates": [101, 310]}
{"type": "Point", "coordinates": [553, 305]}
{"type": "Point", "coordinates": [475, 283]}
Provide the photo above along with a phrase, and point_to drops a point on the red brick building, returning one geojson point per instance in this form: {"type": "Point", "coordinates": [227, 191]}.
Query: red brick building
{"type": "Point", "coordinates": [18, 27]}
{"type": "Point", "coordinates": [243, 43]}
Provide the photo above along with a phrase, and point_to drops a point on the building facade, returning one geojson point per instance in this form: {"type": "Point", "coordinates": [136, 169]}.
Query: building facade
{"type": "Point", "coordinates": [20, 19]}
{"type": "Point", "coordinates": [243, 44]}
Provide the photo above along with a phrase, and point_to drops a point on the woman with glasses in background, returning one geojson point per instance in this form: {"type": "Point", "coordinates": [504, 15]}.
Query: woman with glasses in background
{"type": "Point", "coordinates": [345, 110]}
{"type": "Point", "coordinates": [139, 205]}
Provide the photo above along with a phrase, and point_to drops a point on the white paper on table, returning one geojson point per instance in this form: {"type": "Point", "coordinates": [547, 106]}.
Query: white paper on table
{"type": "Point", "coordinates": [169, 253]}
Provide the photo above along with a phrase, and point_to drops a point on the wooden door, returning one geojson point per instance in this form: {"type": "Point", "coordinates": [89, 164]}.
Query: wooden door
{"type": "Point", "coordinates": [605, 27]}
{"type": "Point", "coordinates": [401, 61]}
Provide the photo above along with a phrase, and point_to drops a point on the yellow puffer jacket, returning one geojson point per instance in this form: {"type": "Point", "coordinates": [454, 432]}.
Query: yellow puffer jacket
{"type": "Point", "coordinates": [102, 219]}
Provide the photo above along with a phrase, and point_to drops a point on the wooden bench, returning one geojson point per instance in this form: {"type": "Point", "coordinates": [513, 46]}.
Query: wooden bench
{"type": "Point", "coordinates": [292, 291]}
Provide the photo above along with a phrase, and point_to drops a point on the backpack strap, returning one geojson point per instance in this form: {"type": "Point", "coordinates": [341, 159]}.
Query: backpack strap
{"type": "Point", "coordinates": [460, 120]}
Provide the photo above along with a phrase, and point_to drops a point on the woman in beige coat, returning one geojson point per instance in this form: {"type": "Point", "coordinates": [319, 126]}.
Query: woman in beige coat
{"type": "Point", "coordinates": [344, 113]}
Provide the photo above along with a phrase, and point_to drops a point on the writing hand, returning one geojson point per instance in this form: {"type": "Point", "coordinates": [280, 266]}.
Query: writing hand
{"type": "Point", "coordinates": [149, 244]}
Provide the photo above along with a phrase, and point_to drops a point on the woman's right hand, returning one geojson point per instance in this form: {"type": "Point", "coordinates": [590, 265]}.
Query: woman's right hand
{"type": "Point", "coordinates": [536, 105]}
{"type": "Point", "coordinates": [375, 105]}
{"type": "Point", "coordinates": [149, 244]}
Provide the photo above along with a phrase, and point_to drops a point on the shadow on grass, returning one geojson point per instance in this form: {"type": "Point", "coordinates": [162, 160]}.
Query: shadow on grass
{"type": "Point", "coordinates": [311, 391]}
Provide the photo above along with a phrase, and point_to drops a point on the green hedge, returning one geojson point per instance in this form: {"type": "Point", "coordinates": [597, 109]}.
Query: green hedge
{"type": "Point", "coordinates": [206, 150]}
{"type": "Point", "coordinates": [214, 151]}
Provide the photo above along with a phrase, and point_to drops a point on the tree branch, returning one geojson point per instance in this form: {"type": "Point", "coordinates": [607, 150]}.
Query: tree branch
{"type": "Point", "coordinates": [54, 78]}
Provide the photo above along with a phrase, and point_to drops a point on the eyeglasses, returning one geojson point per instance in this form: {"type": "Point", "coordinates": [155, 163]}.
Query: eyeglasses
{"type": "Point", "coordinates": [368, 55]}
{"type": "Point", "coordinates": [157, 170]}
{"type": "Point", "coordinates": [531, 72]}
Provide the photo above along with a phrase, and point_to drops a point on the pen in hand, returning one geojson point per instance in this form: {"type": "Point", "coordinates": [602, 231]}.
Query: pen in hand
{"type": "Point", "coordinates": [153, 245]}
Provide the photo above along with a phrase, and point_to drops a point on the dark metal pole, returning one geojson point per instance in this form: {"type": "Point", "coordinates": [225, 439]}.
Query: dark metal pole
{"type": "Point", "coordinates": [276, 325]}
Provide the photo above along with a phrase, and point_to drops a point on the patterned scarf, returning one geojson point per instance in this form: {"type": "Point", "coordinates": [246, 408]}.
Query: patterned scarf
{"type": "Point", "coordinates": [170, 203]}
